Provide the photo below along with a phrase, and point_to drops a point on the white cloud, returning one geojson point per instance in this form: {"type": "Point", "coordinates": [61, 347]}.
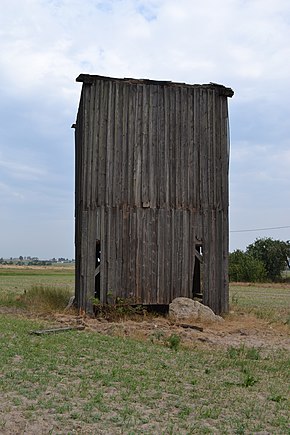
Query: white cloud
{"type": "Point", "coordinates": [187, 40]}
{"type": "Point", "coordinates": [240, 43]}
{"type": "Point", "coordinates": [21, 171]}
{"type": "Point", "coordinates": [7, 192]}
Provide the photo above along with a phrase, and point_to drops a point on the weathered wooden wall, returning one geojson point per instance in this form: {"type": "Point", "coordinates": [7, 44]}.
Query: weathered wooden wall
{"type": "Point", "coordinates": [151, 185]}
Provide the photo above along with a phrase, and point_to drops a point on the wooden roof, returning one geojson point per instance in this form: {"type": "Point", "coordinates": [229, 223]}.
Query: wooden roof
{"type": "Point", "coordinates": [90, 79]}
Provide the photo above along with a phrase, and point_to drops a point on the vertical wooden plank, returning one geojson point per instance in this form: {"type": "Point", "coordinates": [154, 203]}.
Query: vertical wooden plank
{"type": "Point", "coordinates": [92, 212]}
{"type": "Point", "coordinates": [177, 146]}
{"type": "Point", "coordinates": [138, 148]}
{"type": "Point", "coordinates": [147, 258]}
{"type": "Point", "coordinates": [211, 153]}
{"type": "Point", "coordinates": [191, 254]}
{"type": "Point", "coordinates": [110, 93]}
{"type": "Point", "coordinates": [153, 167]}
{"type": "Point", "coordinates": [180, 238]}
{"type": "Point", "coordinates": [87, 224]}
{"type": "Point", "coordinates": [134, 255]}
{"type": "Point", "coordinates": [160, 254]}
{"type": "Point", "coordinates": [102, 140]}
{"type": "Point", "coordinates": [124, 285]}
{"type": "Point", "coordinates": [110, 255]}
{"type": "Point", "coordinates": [137, 259]}
{"type": "Point", "coordinates": [118, 258]}
{"type": "Point", "coordinates": [171, 245]}
{"type": "Point", "coordinates": [145, 145]}
{"type": "Point", "coordinates": [206, 256]}
{"type": "Point", "coordinates": [95, 122]}
{"type": "Point", "coordinates": [125, 157]}
{"type": "Point", "coordinates": [160, 149]}
{"type": "Point", "coordinates": [225, 201]}
{"type": "Point", "coordinates": [215, 156]}
{"type": "Point", "coordinates": [197, 151]}
{"type": "Point", "coordinates": [185, 268]}
{"type": "Point", "coordinates": [184, 147]}
{"type": "Point", "coordinates": [167, 149]}
{"type": "Point", "coordinates": [113, 187]}
{"type": "Point", "coordinates": [171, 146]}
{"type": "Point", "coordinates": [131, 137]}
{"type": "Point", "coordinates": [204, 155]}
{"type": "Point", "coordinates": [190, 127]}
{"type": "Point", "coordinates": [152, 253]}
{"type": "Point", "coordinates": [104, 256]}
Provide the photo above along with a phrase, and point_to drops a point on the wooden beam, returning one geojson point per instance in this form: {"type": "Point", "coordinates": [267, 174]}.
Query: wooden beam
{"type": "Point", "coordinates": [198, 256]}
{"type": "Point", "coordinates": [56, 330]}
{"type": "Point", "coordinates": [97, 271]}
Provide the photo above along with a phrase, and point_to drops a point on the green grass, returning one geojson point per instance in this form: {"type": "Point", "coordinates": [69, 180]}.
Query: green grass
{"type": "Point", "coordinates": [262, 300]}
{"type": "Point", "coordinates": [46, 298]}
{"type": "Point", "coordinates": [15, 281]}
{"type": "Point", "coordinates": [270, 302]}
{"type": "Point", "coordinates": [83, 382]}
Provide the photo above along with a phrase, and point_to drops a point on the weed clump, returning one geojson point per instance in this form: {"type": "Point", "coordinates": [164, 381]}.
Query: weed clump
{"type": "Point", "coordinates": [243, 353]}
{"type": "Point", "coordinates": [173, 342]}
{"type": "Point", "coordinates": [121, 309]}
{"type": "Point", "coordinates": [249, 380]}
{"type": "Point", "coordinates": [46, 298]}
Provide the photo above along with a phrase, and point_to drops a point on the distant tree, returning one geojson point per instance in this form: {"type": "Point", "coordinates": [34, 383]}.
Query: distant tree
{"type": "Point", "coordinates": [20, 258]}
{"type": "Point", "coordinates": [243, 267]}
{"type": "Point", "coordinates": [274, 254]}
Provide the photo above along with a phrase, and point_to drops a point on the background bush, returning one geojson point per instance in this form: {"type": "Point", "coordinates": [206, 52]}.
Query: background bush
{"type": "Point", "coordinates": [243, 267]}
{"type": "Point", "coordinates": [264, 260]}
{"type": "Point", "coordinates": [274, 254]}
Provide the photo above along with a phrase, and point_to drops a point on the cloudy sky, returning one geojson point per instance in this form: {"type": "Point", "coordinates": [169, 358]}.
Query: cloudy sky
{"type": "Point", "coordinates": [46, 44]}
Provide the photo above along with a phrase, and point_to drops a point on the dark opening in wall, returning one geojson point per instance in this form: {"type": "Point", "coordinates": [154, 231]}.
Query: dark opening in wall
{"type": "Point", "coordinates": [97, 271]}
{"type": "Point", "coordinates": [197, 273]}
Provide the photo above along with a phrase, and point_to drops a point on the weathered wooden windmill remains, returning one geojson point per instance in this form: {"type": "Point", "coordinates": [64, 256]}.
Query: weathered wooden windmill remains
{"type": "Point", "coordinates": [151, 199]}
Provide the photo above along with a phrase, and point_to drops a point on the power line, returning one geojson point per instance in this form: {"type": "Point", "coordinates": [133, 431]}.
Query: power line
{"type": "Point", "coordinates": [259, 229]}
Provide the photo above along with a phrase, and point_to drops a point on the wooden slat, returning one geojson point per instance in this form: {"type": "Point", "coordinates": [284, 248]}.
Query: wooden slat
{"type": "Point", "coordinates": [58, 330]}
{"type": "Point", "coordinates": [138, 154]}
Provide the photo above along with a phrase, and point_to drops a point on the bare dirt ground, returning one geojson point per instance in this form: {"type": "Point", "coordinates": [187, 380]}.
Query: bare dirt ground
{"type": "Point", "coordinates": [236, 330]}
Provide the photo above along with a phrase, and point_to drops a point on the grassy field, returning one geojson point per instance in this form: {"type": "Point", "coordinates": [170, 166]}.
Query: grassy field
{"type": "Point", "coordinates": [267, 301]}
{"type": "Point", "coordinates": [88, 383]}
{"type": "Point", "coordinates": [82, 382]}
{"type": "Point", "coordinates": [14, 281]}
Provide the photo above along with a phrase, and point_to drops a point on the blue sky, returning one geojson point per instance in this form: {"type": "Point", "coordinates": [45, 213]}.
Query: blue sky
{"type": "Point", "coordinates": [46, 44]}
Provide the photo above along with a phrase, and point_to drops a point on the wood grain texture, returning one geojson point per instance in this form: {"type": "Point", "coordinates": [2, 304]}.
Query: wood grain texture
{"type": "Point", "coordinates": [151, 185]}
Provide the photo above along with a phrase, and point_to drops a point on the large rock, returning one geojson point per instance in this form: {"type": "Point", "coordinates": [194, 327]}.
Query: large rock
{"type": "Point", "coordinates": [185, 309]}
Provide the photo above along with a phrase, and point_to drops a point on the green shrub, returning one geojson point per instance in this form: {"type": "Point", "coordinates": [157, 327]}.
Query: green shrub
{"type": "Point", "coordinates": [274, 254]}
{"type": "Point", "coordinates": [243, 267]}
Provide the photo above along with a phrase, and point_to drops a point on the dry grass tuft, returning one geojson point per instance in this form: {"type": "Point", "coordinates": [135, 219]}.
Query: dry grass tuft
{"type": "Point", "coordinates": [46, 298]}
